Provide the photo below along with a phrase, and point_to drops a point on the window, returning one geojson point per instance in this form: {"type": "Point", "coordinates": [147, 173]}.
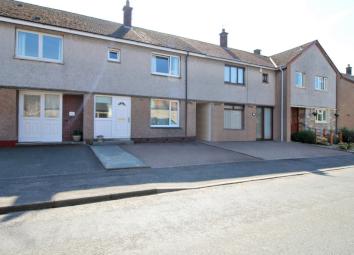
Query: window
{"type": "Point", "coordinates": [113, 55]}
{"type": "Point", "coordinates": [32, 106]}
{"type": "Point", "coordinates": [321, 116]}
{"type": "Point", "coordinates": [320, 83]}
{"type": "Point", "coordinates": [299, 80]}
{"type": "Point", "coordinates": [265, 78]}
{"type": "Point", "coordinates": [233, 116]}
{"type": "Point", "coordinates": [234, 75]}
{"type": "Point", "coordinates": [39, 46]}
{"type": "Point", "coordinates": [164, 113]}
{"type": "Point", "coordinates": [51, 106]}
{"type": "Point", "coordinates": [103, 107]}
{"type": "Point", "coordinates": [166, 65]}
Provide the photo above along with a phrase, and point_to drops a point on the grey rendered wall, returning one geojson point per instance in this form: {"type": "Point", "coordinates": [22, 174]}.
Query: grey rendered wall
{"type": "Point", "coordinates": [206, 82]}
{"type": "Point", "coordinates": [312, 63]}
{"type": "Point", "coordinates": [86, 69]}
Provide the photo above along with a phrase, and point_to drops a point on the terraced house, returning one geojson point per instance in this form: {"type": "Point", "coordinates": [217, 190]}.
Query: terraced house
{"type": "Point", "coordinates": [62, 72]}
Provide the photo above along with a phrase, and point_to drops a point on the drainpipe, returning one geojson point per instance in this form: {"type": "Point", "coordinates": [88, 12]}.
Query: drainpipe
{"type": "Point", "coordinates": [186, 97]}
{"type": "Point", "coordinates": [282, 106]}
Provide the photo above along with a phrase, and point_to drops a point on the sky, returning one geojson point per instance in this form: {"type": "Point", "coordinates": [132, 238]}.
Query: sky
{"type": "Point", "coordinates": [270, 25]}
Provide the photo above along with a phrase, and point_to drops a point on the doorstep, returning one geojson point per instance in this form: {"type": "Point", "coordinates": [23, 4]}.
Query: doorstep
{"type": "Point", "coordinates": [113, 157]}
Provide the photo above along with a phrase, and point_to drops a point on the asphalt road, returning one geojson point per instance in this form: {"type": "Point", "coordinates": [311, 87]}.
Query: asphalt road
{"type": "Point", "coordinates": [310, 214]}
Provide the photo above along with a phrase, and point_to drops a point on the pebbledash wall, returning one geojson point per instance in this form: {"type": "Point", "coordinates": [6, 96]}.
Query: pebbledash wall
{"type": "Point", "coordinates": [8, 117]}
{"type": "Point", "coordinates": [86, 71]}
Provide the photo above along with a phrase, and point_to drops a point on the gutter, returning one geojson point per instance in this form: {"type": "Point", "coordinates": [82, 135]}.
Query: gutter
{"type": "Point", "coordinates": [282, 106]}
{"type": "Point", "coordinates": [186, 97]}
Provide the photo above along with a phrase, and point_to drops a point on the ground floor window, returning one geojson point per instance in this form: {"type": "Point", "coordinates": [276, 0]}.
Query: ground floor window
{"type": "Point", "coordinates": [233, 116]}
{"type": "Point", "coordinates": [321, 116]}
{"type": "Point", "coordinates": [103, 107]}
{"type": "Point", "coordinates": [164, 113]}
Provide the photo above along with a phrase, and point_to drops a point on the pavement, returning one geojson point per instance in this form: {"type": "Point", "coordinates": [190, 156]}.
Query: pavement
{"type": "Point", "coordinates": [310, 214]}
{"type": "Point", "coordinates": [30, 193]}
{"type": "Point", "coordinates": [270, 150]}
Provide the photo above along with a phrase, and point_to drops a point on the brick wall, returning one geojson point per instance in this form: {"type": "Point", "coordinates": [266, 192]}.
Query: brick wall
{"type": "Point", "coordinates": [8, 116]}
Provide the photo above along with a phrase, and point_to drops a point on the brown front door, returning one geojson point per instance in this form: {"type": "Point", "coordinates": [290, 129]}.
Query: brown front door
{"type": "Point", "coordinates": [72, 115]}
{"type": "Point", "coordinates": [294, 120]}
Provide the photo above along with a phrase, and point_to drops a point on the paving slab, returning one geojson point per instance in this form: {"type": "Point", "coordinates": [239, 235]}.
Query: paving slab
{"type": "Point", "coordinates": [114, 157]}
{"type": "Point", "coordinates": [270, 150]}
{"type": "Point", "coordinates": [162, 155]}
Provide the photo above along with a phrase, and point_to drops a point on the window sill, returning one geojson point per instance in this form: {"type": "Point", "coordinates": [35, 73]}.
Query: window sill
{"type": "Point", "coordinates": [321, 122]}
{"type": "Point", "coordinates": [235, 84]}
{"type": "Point", "coordinates": [166, 75]}
{"type": "Point", "coordinates": [113, 61]}
{"type": "Point", "coordinates": [234, 129]}
{"type": "Point", "coordinates": [300, 87]}
{"type": "Point", "coordinates": [161, 127]}
{"type": "Point", "coordinates": [320, 90]}
{"type": "Point", "coordinates": [39, 60]}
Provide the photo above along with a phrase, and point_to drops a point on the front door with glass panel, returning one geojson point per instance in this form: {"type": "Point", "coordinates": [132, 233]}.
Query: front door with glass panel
{"type": "Point", "coordinates": [40, 117]}
{"type": "Point", "coordinates": [112, 117]}
{"type": "Point", "coordinates": [264, 123]}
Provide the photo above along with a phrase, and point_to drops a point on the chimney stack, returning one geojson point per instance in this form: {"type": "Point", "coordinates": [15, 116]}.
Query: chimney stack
{"type": "Point", "coordinates": [223, 38]}
{"type": "Point", "coordinates": [127, 14]}
{"type": "Point", "coordinates": [349, 70]}
{"type": "Point", "coordinates": [257, 51]}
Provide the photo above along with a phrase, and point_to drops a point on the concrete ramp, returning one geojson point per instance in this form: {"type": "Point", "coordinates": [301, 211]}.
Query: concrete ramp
{"type": "Point", "coordinates": [114, 157]}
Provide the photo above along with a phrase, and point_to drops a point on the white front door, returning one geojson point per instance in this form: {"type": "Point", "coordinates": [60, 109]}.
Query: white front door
{"type": "Point", "coordinates": [112, 116]}
{"type": "Point", "coordinates": [40, 116]}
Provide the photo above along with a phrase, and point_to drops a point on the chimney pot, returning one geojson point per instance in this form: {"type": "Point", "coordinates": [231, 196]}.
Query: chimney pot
{"type": "Point", "coordinates": [257, 51]}
{"type": "Point", "coordinates": [127, 14]}
{"type": "Point", "coordinates": [349, 70]}
{"type": "Point", "coordinates": [223, 38]}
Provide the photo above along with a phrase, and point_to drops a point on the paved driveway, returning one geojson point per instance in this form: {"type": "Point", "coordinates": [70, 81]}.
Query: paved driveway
{"type": "Point", "coordinates": [275, 150]}
{"type": "Point", "coordinates": [159, 155]}
{"type": "Point", "coordinates": [47, 160]}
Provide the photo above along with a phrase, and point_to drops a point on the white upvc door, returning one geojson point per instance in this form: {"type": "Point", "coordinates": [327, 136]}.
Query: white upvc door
{"type": "Point", "coordinates": [40, 116]}
{"type": "Point", "coordinates": [112, 116]}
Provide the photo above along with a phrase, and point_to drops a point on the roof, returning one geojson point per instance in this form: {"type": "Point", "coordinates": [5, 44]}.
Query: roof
{"type": "Point", "coordinates": [284, 58]}
{"type": "Point", "coordinates": [348, 77]}
{"type": "Point", "coordinates": [68, 20]}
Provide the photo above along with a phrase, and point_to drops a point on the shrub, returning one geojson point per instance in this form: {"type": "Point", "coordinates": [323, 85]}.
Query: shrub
{"type": "Point", "coordinates": [345, 146]}
{"type": "Point", "coordinates": [348, 135]}
{"type": "Point", "coordinates": [306, 136]}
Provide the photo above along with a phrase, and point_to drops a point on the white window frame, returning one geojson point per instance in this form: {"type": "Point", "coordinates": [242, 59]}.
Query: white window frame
{"type": "Point", "coordinates": [302, 85]}
{"type": "Point", "coordinates": [153, 65]}
{"type": "Point", "coordinates": [169, 110]}
{"type": "Point", "coordinates": [325, 80]}
{"type": "Point", "coordinates": [321, 112]}
{"type": "Point", "coordinates": [112, 59]}
{"type": "Point", "coordinates": [40, 47]}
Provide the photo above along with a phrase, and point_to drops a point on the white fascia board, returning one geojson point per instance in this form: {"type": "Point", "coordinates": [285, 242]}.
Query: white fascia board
{"type": "Point", "coordinates": [129, 42]}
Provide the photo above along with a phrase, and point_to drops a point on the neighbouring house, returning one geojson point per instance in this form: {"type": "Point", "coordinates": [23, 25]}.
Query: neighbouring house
{"type": "Point", "coordinates": [345, 99]}
{"type": "Point", "coordinates": [62, 72]}
{"type": "Point", "coordinates": [309, 89]}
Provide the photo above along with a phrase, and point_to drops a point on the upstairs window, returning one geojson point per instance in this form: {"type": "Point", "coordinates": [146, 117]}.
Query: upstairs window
{"type": "Point", "coordinates": [265, 78]}
{"type": "Point", "coordinates": [39, 46]}
{"type": "Point", "coordinates": [320, 83]}
{"type": "Point", "coordinates": [321, 116]}
{"type": "Point", "coordinates": [113, 55]}
{"type": "Point", "coordinates": [299, 80]}
{"type": "Point", "coordinates": [166, 65]}
{"type": "Point", "coordinates": [234, 75]}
